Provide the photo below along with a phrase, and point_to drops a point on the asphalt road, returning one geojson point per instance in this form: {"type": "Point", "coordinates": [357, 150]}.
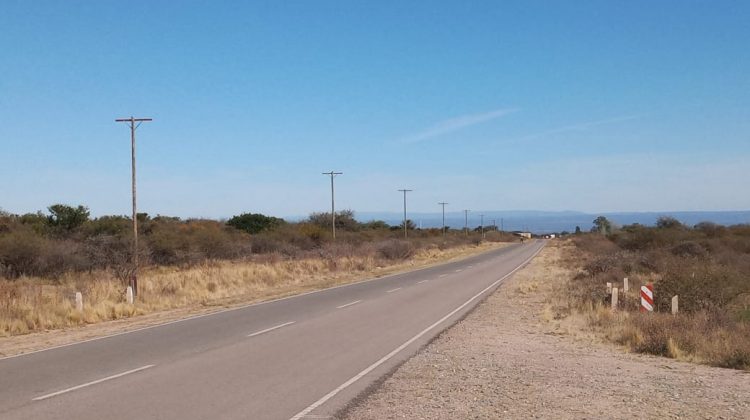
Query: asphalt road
{"type": "Point", "coordinates": [295, 358]}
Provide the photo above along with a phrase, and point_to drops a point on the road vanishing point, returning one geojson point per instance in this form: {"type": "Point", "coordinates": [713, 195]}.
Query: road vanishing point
{"type": "Point", "coordinates": [302, 357]}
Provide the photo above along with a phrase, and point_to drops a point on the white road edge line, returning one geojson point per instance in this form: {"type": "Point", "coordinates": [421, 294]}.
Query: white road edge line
{"type": "Point", "coordinates": [98, 381]}
{"type": "Point", "coordinates": [237, 308]}
{"type": "Point", "coordinates": [349, 304]}
{"type": "Point", "coordinates": [271, 329]}
{"type": "Point", "coordinates": [388, 356]}
{"type": "Point", "coordinates": [423, 281]}
{"type": "Point", "coordinates": [393, 290]}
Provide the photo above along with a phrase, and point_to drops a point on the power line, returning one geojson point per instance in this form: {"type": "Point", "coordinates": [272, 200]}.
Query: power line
{"type": "Point", "coordinates": [333, 209]}
{"type": "Point", "coordinates": [133, 126]}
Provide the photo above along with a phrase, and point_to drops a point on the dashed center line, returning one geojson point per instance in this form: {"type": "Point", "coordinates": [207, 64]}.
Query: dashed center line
{"type": "Point", "coordinates": [270, 329]}
{"type": "Point", "coordinates": [459, 270]}
{"type": "Point", "coordinates": [442, 275]}
{"type": "Point", "coordinates": [423, 281]}
{"type": "Point", "coordinates": [393, 290]}
{"type": "Point", "coordinates": [348, 304]}
{"type": "Point", "coordinates": [98, 381]}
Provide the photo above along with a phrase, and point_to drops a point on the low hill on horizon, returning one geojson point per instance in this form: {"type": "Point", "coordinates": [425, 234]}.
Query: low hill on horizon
{"type": "Point", "coordinates": [553, 221]}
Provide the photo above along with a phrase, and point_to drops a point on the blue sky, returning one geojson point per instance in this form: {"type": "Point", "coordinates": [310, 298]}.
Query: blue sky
{"type": "Point", "coordinates": [587, 105]}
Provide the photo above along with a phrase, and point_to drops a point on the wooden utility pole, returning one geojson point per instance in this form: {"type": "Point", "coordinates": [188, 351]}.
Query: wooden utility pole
{"type": "Point", "coordinates": [466, 222]}
{"type": "Point", "coordinates": [133, 126]}
{"type": "Point", "coordinates": [443, 204]}
{"type": "Point", "coordinates": [405, 191]}
{"type": "Point", "coordinates": [333, 208]}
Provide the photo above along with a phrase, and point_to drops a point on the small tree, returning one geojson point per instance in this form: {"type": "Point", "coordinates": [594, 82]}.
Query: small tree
{"type": "Point", "coordinates": [602, 225]}
{"type": "Point", "coordinates": [409, 225]}
{"type": "Point", "coordinates": [668, 222]}
{"type": "Point", "coordinates": [344, 220]}
{"type": "Point", "coordinates": [255, 222]}
{"type": "Point", "coordinates": [375, 225]}
{"type": "Point", "coordinates": [67, 218]}
{"type": "Point", "coordinates": [578, 230]}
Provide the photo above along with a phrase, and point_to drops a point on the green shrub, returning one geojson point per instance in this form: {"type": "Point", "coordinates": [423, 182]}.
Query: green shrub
{"type": "Point", "coordinates": [254, 222]}
{"type": "Point", "coordinates": [21, 252]}
{"type": "Point", "coordinates": [67, 218]}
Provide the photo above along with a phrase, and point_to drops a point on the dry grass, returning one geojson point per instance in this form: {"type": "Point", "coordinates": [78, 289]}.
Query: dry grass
{"type": "Point", "coordinates": [580, 307]}
{"type": "Point", "coordinates": [34, 304]}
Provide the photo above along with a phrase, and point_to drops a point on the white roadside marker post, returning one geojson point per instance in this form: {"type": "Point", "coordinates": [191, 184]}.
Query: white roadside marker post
{"type": "Point", "coordinates": [625, 286]}
{"type": "Point", "coordinates": [129, 295]}
{"type": "Point", "coordinates": [79, 301]}
{"type": "Point", "coordinates": [609, 288]}
{"type": "Point", "coordinates": [675, 305]}
{"type": "Point", "coordinates": [614, 298]}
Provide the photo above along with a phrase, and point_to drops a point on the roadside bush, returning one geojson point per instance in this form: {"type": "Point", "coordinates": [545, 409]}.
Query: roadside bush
{"type": "Point", "coordinates": [344, 220]}
{"type": "Point", "coordinates": [700, 286]}
{"type": "Point", "coordinates": [110, 252]}
{"type": "Point", "coordinates": [194, 241]}
{"type": "Point", "coordinates": [395, 249]}
{"type": "Point", "coordinates": [689, 249]}
{"type": "Point", "coordinates": [706, 266]}
{"type": "Point", "coordinates": [668, 222]}
{"type": "Point", "coordinates": [255, 223]}
{"type": "Point", "coordinates": [65, 218]}
{"type": "Point", "coordinates": [21, 253]}
{"type": "Point", "coordinates": [264, 245]}
{"type": "Point", "coordinates": [711, 230]}
{"type": "Point", "coordinates": [707, 336]}
{"type": "Point", "coordinates": [109, 225]}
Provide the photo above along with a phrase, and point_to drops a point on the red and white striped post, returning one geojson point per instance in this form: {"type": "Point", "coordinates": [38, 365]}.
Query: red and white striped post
{"type": "Point", "coordinates": [647, 298]}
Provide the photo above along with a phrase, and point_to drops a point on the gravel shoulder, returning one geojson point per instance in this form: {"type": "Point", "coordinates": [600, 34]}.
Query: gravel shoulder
{"type": "Point", "coordinates": [506, 359]}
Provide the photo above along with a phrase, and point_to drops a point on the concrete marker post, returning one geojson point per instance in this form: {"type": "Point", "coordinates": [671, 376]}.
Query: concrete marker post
{"type": "Point", "coordinates": [609, 288]}
{"type": "Point", "coordinates": [79, 302]}
{"type": "Point", "coordinates": [129, 295]}
{"type": "Point", "coordinates": [614, 298]}
{"type": "Point", "coordinates": [625, 285]}
{"type": "Point", "coordinates": [675, 304]}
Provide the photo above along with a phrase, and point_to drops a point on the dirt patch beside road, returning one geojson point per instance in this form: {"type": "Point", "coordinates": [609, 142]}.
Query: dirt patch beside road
{"type": "Point", "coordinates": [507, 360]}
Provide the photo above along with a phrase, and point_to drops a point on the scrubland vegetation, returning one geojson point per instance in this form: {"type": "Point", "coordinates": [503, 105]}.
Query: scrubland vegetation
{"type": "Point", "coordinates": [46, 258]}
{"type": "Point", "coordinates": [707, 266]}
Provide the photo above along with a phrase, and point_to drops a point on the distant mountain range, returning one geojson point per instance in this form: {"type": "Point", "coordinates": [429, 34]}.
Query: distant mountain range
{"type": "Point", "coordinates": [553, 221]}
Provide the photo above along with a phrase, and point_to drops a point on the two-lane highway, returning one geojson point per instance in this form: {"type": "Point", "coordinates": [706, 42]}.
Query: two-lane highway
{"type": "Point", "coordinates": [300, 357]}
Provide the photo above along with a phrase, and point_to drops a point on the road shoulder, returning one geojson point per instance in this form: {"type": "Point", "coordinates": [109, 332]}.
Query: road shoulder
{"type": "Point", "coordinates": [506, 360]}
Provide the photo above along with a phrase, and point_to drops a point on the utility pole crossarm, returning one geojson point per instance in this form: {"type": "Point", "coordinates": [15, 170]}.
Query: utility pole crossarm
{"type": "Point", "coordinates": [131, 119]}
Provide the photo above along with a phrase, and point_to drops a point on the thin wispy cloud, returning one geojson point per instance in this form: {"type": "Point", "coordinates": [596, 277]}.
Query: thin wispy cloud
{"type": "Point", "coordinates": [457, 123]}
{"type": "Point", "coordinates": [577, 127]}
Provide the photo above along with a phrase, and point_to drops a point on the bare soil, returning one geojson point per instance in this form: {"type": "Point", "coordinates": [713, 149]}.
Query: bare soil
{"type": "Point", "coordinates": [510, 359]}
